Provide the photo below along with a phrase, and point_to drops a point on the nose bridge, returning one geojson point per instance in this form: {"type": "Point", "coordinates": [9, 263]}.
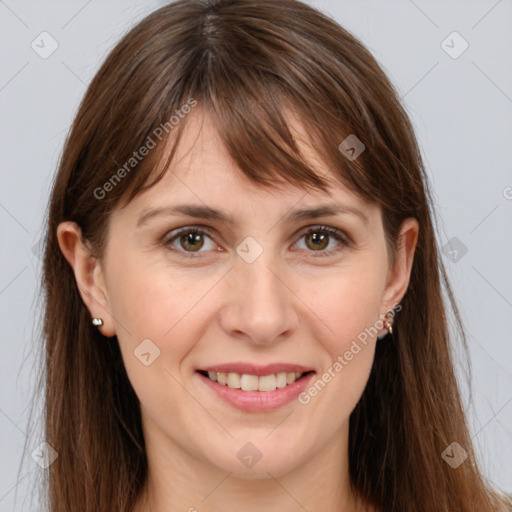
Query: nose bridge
{"type": "Point", "coordinates": [263, 288]}
{"type": "Point", "coordinates": [261, 306]}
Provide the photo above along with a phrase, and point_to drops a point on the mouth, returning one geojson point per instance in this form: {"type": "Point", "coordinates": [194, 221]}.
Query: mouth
{"type": "Point", "coordinates": [250, 382]}
{"type": "Point", "coordinates": [254, 389]}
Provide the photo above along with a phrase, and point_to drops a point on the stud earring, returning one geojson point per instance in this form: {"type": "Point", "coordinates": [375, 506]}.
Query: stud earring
{"type": "Point", "coordinates": [97, 322]}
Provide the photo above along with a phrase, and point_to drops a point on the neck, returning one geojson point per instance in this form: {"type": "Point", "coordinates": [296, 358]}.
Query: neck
{"type": "Point", "coordinates": [179, 482]}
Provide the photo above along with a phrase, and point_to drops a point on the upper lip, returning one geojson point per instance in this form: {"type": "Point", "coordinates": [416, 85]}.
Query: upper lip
{"type": "Point", "coordinates": [252, 369]}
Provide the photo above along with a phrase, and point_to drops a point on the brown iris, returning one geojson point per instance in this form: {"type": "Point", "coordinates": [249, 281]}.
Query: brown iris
{"type": "Point", "coordinates": [192, 241]}
{"type": "Point", "coordinates": [320, 240]}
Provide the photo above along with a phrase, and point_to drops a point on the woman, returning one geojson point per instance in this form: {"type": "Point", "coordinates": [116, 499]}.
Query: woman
{"type": "Point", "coordinates": [243, 287]}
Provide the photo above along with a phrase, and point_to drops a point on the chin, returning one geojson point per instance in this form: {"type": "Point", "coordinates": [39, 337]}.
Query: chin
{"type": "Point", "coordinates": [252, 463]}
{"type": "Point", "coordinates": [260, 470]}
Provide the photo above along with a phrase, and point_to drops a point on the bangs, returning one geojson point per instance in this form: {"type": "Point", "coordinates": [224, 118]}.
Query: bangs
{"type": "Point", "coordinates": [251, 107]}
{"type": "Point", "coordinates": [257, 135]}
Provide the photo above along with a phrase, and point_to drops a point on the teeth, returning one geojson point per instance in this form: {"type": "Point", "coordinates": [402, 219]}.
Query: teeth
{"type": "Point", "coordinates": [281, 380]}
{"type": "Point", "coordinates": [234, 380]}
{"type": "Point", "coordinates": [267, 383]}
{"type": "Point", "coordinates": [249, 382]}
{"type": "Point", "coordinates": [253, 382]}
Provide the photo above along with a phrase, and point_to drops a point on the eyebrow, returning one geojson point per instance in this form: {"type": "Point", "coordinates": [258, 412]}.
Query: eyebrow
{"type": "Point", "coordinates": [207, 213]}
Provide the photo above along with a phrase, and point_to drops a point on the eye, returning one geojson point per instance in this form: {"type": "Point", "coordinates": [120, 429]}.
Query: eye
{"type": "Point", "coordinates": [318, 238]}
{"type": "Point", "coordinates": [189, 240]}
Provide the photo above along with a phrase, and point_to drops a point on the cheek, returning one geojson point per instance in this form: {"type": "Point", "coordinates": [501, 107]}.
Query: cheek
{"type": "Point", "coordinates": [157, 303]}
{"type": "Point", "coordinates": [139, 303]}
{"type": "Point", "coordinates": [348, 358]}
{"type": "Point", "coordinates": [152, 311]}
{"type": "Point", "coordinates": [349, 304]}
{"type": "Point", "coordinates": [145, 298]}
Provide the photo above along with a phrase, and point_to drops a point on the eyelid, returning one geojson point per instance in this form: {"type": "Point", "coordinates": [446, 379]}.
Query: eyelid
{"type": "Point", "coordinates": [175, 233]}
{"type": "Point", "coordinates": [331, 230]}
{"type": "Point", "coordinates": [340, 235]}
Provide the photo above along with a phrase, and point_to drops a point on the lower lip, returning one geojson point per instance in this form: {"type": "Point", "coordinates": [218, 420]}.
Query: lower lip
{"type": "Point", "coordinates": [258, 401]}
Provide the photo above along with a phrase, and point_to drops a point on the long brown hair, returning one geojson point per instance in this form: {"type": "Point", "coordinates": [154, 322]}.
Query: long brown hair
{"type": "Point", "coordinates": [245, 63]}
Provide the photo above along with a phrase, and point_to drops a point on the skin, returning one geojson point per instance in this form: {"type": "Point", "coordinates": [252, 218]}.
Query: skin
{"type": "Point", "coordinates": [289, 305]}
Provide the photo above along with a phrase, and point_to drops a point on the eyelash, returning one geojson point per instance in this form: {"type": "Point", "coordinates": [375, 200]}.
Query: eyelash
{"type": "Point", "coordinates": [332, 232]}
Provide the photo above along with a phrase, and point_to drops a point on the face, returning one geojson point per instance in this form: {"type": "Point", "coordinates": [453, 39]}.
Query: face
{"type": "Point", "coordinates": [261, 294]}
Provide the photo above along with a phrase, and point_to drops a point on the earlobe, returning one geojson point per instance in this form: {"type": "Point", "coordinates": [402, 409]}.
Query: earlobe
{"type": "Point", "coordinates": [88, 274]}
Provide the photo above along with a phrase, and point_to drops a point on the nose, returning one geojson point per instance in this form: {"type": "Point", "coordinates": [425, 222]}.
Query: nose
{"type": "Point", "coordinates": [260, 307]}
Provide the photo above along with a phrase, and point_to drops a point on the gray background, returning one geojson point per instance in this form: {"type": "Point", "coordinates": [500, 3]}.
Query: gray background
{"type": "Point", "coordinates": [462, 112]}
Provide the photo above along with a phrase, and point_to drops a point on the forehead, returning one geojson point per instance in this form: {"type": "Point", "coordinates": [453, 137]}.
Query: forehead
{"type": "Point", "coordinates": [203, 163]}
{"type": "Point", "coordinates": [204, 178]}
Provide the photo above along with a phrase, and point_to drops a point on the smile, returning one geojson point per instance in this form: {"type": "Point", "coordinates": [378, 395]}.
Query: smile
{"type": "Point", "coordinates": [255, 389]}
{"type": "Point", "coordinates": [248, 382]}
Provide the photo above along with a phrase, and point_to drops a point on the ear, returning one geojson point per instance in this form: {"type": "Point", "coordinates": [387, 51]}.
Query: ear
{"type": "Point", "coordinates": [88, 274]}
{"type": "Point", "coordinates": [399, 275]}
